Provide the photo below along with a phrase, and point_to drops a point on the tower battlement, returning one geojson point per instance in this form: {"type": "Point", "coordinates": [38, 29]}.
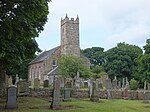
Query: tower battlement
{"type": "Point", "coordinates": [69, 20]}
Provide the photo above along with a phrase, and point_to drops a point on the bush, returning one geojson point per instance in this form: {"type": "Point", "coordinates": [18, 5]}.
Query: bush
{"type": "Point", "coordinates": [133, 84]}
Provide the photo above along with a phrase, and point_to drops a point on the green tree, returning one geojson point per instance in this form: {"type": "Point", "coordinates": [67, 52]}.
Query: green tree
{"type": "Point", "coordinates": [147, 47]}
{"type": "Point", "coordinates": [120, 60]}
{"type": "Point", "coordinates": [133, 84]}
{"type": "Point", "coordinates": [95, 55]}
{"type": "Point", "coordinates": [20, 22]}
{"type": "Point", "coordinates": [144, 64]}
{"type": "Point", "coordinates": [69, 65]}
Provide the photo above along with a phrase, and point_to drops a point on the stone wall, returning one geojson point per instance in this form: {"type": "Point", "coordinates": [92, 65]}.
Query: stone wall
{"type": "Point", "coordinates": [84, 93]}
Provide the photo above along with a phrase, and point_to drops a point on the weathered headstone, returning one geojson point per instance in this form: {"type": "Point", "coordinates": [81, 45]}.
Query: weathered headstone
{"type": "Point", "coordinates": [94, 96]}
{"type": "Point", "coordinates": [90, 88]}
{"type": "Point", "coordinates": [85, 84]}
{"type": "Point", "coordinates": [145, 97]}
{"type": "Point", "coordinates": [11, 98]}
{"type": "Point", "coordinates": [127, 83]}
{"type": "Point", "coordinates": [23, 88]}
{"type": "Point", "coordinates": [46, 83]}
{"type": "Point", "coordinates": [148, 86]}
{"type": "Point", "coordinates": [125, 93]}
{"type": "Point", "coordinates": [114, 83]}
{"type": "Point", "coordinates": [123, 83]}
{"type": "Point", "coordinates": [103, 78]}
{"type": "Point", "coordinates": [36, 83]}
{"type": "Point", "coordinates": [55, 105]}
{"type": "Point", "coordinates": [108, 83]}
{"type": "Point", "coordinates": [17, 79]}
{"type": "Point", "coordinates": [10, 81]}
{"type": "Point", "coordinates": [145, 85]}
{"type": "Point", "coordinates": [67, 92]}
{"type": "Point", "coordinates": [119, 84]}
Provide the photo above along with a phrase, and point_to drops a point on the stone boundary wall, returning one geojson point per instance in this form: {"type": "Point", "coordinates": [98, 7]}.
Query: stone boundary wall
{"type": "Point", "coordinates": [84, 93]}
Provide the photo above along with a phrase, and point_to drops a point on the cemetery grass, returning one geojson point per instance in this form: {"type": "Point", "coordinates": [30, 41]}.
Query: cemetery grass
{"type": "Point", "coordinates": [27, 104]}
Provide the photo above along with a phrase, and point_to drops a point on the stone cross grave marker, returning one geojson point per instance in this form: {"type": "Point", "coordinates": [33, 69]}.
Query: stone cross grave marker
{"type": "Point", "coordinates": [11, 98]}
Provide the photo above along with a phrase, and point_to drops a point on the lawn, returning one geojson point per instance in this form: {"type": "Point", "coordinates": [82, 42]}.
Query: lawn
{"type": "Point", "coordinates": [27, 104]}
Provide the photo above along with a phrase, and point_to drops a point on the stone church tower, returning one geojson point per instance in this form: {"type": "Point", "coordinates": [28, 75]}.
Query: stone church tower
{"type": "Point", "coordinates": [70, 36]}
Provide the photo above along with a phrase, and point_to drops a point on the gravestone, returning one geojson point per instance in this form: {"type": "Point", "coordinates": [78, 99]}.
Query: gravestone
{"type": "Point", "coordinates": [119, 84]}
{"type": "Point", "coordinates": [123, 84]}
{"type": "Point", "coordinates": [17, 79]}
{"type": "Point", "coordinates": [10, 81]}
{"type": "Point", "coordinates": [103, 78]}
{"type": "Point", "coordinates": [67, 92]}
{"type": "Point", "coordinates": [36, 83]}
{"type": "Point", "coordinates": [145, 97]}
{"type": "Point", "coordinates": [11, 98]}
{"type": "Point", "coordinates": [46, 83]}
{"type": "Point", "coordinates": [148, 86]}
{"type": "Point", "coordinates": [90, 88]}
{"type": "Point", "coordinates": [85, 84]}
{"type": "Point", "coordinates": [125, 93]}
{"type": "Point", "coordinates": [23, 88]}
{"type": "Point", "coordinates": [114, 83]}
{"type": "Point", "coordinates": [108, 83]}
{"type": "Point", "coordinates": [68, 83]}
{"type": "Point", "coordinates": [145, 85]}
{"type": "Point", "coordinates": [94, 96]}
{"type": "Point", "coordinates": [127, 83]}
{"type": "Point", "coordinates": [55, 105]}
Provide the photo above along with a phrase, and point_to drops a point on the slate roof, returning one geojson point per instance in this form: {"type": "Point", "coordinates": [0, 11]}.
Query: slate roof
{"type": "Point", "coordinates": [44, 55]}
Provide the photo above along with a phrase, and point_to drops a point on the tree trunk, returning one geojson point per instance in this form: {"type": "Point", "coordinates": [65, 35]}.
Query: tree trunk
{"type": "Point", "coordinates": [3, 84]}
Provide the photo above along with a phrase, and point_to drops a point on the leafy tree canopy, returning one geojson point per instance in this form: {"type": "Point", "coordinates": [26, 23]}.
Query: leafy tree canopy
{"type": "Point", "coordinates": [95, 55]}
{"type": "Point", "coordinates": [69, 65]}
{"type": "Point", "coordinates": [20, 22]}
{"type": "Point", "coordinates": [120, 60]}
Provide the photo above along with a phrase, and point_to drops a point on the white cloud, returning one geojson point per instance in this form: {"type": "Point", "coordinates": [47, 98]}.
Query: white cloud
{"type": "Point", "coordinates": [121, 20]}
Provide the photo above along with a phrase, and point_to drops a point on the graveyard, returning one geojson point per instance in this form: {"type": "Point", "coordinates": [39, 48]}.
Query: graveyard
{"type": "Point", "coordinates": [70, 77]}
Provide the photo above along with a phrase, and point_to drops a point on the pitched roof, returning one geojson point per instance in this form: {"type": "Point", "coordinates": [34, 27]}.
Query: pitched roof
{"type": "Point", "coordinates": [44, 55]}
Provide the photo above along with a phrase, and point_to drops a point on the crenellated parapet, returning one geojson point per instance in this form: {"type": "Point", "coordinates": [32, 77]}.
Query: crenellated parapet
{"type": "Point", "coordinates": [69, 20]}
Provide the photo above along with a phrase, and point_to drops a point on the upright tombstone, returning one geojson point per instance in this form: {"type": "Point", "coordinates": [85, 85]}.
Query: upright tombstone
{"type": "Point", "coordinates": [11, 102]}
{"type": "Point", "coordinates": [36, 83]}
{"type": "Point", "coordinates": [67, 93]}
{"type": "Point", "coordinates": [145, 97]}
{"type": "Point", "coordinates": [123, 83]}
{"type": "Point", "coordinates": [114, 83]}
{"type": "Point", "coordinates": [145, 86]}
{"type": "Point", "coordinates": [108, 83]}
{"type": "Point", "coordinates": [46, 83]}
{"type": "Point", "coordinates": [17, 79]}
{"type": "Point", "coordinates": [23, 88]}
{"type": "Point", "coordinates": [90, 87]}
{"type": "Point", "coordinates": [55, 105]}
{"type": "Point", "coordinates": [127, 83]}
{"type": "Point", "coordinates": [94, 96]}
{"type": "Point", "coordinates": [10, 81]}
{"type": "Point", "coordinates": [119, 85]}
{"type": "Point", "coordinates": [148, 86]}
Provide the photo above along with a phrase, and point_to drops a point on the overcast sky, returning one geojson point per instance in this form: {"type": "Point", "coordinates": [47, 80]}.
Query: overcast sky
{"type": "Point", "coordinates": [103, 23]}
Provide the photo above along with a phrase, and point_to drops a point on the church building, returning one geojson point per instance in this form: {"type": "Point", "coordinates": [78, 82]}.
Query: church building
{"type": "Point", "coordinates": [44, 65]}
